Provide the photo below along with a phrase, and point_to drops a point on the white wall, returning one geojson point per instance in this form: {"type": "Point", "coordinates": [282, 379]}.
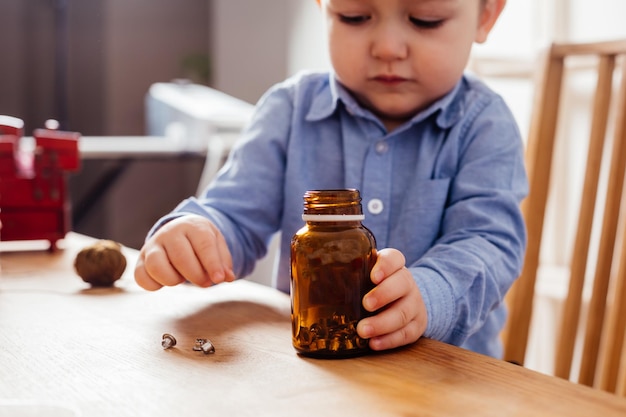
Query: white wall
{"type": "Point", "coordinates": [307, 44]}
{"type": "Point", "coordinates": [249, 45]}
{"type": "Point", "coordinates": [597, 20]}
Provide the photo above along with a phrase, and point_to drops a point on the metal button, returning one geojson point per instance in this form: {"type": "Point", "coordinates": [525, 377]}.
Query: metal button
{"type": "Point", "coordinates": [375, 206]}
{"type": "Point", "coordinates": [382, 147]}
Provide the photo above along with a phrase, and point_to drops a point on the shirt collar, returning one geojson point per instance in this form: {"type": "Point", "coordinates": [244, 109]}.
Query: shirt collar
{"type": "Point", "coordinates": [326, 101]}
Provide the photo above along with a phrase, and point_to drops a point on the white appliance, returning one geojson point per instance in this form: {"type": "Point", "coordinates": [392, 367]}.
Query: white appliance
{"type": "Point", "coordinates": [193, 113]}
{"type": "Point", "coordinates": [200, 118]}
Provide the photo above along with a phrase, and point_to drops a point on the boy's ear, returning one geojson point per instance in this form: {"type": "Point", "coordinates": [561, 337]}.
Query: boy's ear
{"type": "Point", "coordinates": [489, 14]}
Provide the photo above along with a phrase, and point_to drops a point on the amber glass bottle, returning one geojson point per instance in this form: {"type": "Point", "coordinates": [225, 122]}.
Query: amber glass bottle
{"type": "Point", "coordinates": [331, 260]}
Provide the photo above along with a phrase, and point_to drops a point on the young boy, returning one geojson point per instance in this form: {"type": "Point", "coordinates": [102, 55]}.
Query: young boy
{"type": "Point", "coordinates": [436, 155]}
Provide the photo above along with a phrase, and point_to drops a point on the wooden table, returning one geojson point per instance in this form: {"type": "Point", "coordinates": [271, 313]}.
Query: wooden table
{"type": "Point", "coordinates": [72, 350]}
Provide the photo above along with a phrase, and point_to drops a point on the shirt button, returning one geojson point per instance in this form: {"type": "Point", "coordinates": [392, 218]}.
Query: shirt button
{"type": "Point", "coordinates": [375, 206]}
{"type": "Point", "coordinates": [382, 147]}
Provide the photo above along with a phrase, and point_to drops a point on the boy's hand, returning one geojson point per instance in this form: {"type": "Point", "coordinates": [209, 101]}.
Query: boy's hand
{"type": "Point", "coordinates": [189, 248]}
{"type": "Point", "coordinates": [401, 317]}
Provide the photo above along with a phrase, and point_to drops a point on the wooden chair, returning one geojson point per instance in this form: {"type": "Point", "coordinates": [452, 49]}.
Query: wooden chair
{"type": "Point", "coordinates": [604, 330]}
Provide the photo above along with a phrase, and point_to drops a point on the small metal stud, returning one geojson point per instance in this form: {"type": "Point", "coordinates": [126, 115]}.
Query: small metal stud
{"type": "Point", "coordinates": [198, 346]}
{"type": "Point", "coordinates": [168, 341]}
{"type": "Point", "coordinates": [204, 345]}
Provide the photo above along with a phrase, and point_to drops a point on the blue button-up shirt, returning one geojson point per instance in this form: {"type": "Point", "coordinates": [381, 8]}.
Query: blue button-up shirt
{"type": "Point", "coordinates": [444, 189]}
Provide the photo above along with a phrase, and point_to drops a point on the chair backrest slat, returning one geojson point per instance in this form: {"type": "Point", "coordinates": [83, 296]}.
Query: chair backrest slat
{"type": "Point", "coordinates": [607, 246]}
{"type": "Point", "coordinates": [616, 326]}
{"type": "Point", "coordinates": [580, 254]}
{"type": "Point", "coordinates": [538, 158]}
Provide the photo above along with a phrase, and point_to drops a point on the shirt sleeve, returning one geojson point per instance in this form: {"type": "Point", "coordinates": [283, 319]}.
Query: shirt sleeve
{"type": "Point", "coordinates": [464, 276]}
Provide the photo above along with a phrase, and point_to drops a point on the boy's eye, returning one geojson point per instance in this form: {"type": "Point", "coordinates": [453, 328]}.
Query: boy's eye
{"type": "Point", "coordinates": [353, 20]}
{"type": "Point", "coordinates": [425, 24]}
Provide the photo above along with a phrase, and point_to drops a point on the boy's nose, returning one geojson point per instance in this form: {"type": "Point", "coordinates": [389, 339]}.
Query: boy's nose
{"type": "Point", "coordinates": [388, 44]}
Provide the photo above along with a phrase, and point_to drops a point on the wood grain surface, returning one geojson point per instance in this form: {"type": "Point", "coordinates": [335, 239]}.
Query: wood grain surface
{"type": "Point", "coordinates": [97, 352]}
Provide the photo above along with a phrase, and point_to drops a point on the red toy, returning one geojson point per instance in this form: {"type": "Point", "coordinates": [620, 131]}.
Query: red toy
{"type": "Point", "coordinates": [33, 199]}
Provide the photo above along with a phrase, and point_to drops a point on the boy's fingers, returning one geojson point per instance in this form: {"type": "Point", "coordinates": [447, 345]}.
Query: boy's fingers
{"type": "Point", "coordinates": [158, 268]}
{"type": "Point", "coordinates": [156, 273]}
{"type": "Point", "coordinates": [389, 290]}
{"type": "Point", "coordinates": [184, 262]}
{"type": "Point", "coordinates": [143, 279]}
{"type": "Point", "coordinates": [211, 251]}
{"type": "Point", "coordinates": [227, 261]}
{"type": "Point", "coordinates": [397, 315]}
{"type": "Point", "coordinates": [401, 337]}
{"type": "Point", "coordinates": [401, 315]}
{"type": "Point", "coordinates": [388, 261]}
{"type": "Point", "coordinates": [395, 326]}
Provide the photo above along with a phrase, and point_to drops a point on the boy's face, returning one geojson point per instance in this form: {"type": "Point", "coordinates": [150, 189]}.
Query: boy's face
{"type": "Point", "coordinates": [399, 56]}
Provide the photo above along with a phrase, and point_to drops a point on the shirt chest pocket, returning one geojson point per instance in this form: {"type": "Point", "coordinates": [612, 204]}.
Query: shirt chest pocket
{"type": "Point", "coordinates": [417, 224]}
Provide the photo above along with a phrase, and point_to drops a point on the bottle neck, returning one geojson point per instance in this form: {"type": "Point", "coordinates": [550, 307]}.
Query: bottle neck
{"type": "Point", "coordinates": [332, 205]}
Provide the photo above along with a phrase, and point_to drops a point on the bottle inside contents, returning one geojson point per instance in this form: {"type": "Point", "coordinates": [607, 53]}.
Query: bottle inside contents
{"type": "Point", "coordinates": [330, 274]}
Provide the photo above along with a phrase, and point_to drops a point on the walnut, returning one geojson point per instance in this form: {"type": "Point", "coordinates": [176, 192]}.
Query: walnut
{"type": "Point", "coordinates": [100, 264]}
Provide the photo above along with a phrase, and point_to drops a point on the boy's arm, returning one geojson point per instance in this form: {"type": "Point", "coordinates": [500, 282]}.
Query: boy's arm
{"type": "Point", "coordinates": [480, 252]}
{"type": "Point", "coordinates": [245, 199]}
